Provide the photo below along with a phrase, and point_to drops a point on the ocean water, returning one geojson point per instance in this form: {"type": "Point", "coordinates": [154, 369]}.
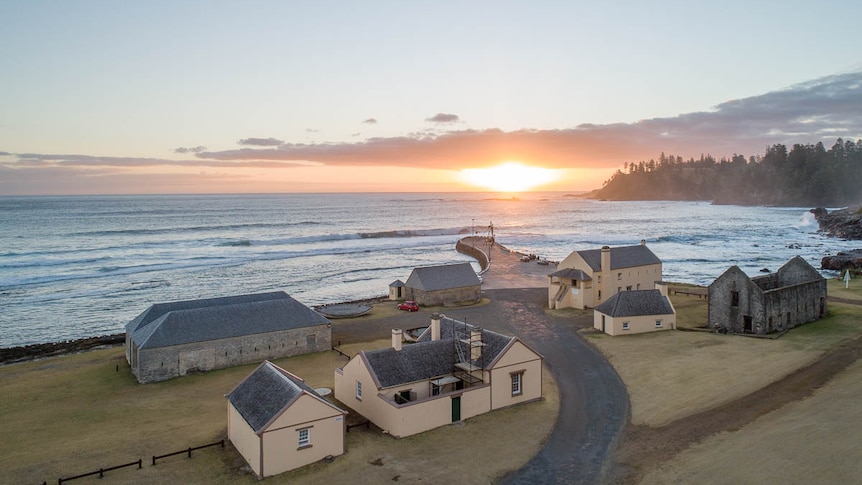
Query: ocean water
{"type": "Point", "coordinates": [73, 267]}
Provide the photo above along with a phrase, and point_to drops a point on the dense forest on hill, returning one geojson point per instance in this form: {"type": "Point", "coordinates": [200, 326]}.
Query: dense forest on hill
{"type": "Point", "coordinates": [807, 175]}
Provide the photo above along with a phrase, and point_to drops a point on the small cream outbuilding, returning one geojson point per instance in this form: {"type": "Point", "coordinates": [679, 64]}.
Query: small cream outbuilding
{"type": "Point", "coordinates": [453, 372]}
{"type": "Point", "coordinates": [278, 423]}
{"type": "Point", "coordinates": [636, 311]}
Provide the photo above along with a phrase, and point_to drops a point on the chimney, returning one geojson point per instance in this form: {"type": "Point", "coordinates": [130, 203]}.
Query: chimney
{"type": "Point", "coordinates": [476, 343]}
{"type": "Point", "coordinates": [643, 242]}
{"type": "Point", "coordinates": [606, 261]}
{"type": "Point", "coordinates": [435, 326]}
{"type": "Point", "coordinates": [397, 337]}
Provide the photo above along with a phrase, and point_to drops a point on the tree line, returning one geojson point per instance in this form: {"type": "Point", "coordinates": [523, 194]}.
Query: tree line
{"type": "Point", "coordinates": [806, 175]}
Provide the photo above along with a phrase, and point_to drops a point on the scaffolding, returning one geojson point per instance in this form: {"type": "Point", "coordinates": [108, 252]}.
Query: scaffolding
{"type": "Point", "coordinates": [469, 354]}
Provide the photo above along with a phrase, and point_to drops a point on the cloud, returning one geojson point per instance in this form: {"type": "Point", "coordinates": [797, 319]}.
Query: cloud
{"type": "Point", "coordinates": [261, 142]}
{"type": "Point", "coordinates": [823, 109]}
{"type": "Point", "coordinates": [307, 130]}
{"type": "Point", "coordinates": [443, 118]}
{"type": "Point", "coordinates": [371, 121]}
{"type": "Point", "coordinates": [196, 149]}
{"type": "Point", "coordinates": [820, 110]}
{"type": "Point", "coordinates": [3, 154]}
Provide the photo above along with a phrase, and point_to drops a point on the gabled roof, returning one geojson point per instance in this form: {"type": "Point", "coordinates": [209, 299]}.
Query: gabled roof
{"type": "Point", "coordinates": [396, 284]}
{"type": "Point", "coordinates": [636, 303]}
{"type": "Point", "coordinates": [621, 257]}
{"type": "Point", "coordinates": [182, 322]}
{"type": "Point", "coordinates": [426, 359]}
{"type": "Point", "coordinates": [264, 395]}
{"type": "Point", "coordinates": [431, 278]}
{"type": "Point", "coordinates": [572, 274]}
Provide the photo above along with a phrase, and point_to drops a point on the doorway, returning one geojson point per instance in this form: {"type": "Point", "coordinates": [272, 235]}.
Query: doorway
{"type": "Point", "coordinates": [456, 409]}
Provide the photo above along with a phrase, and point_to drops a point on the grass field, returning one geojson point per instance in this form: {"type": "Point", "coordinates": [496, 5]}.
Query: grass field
{"type": "Point", "coordinates": [74, 414]}
{"type": "Point", "coordinates": [671, 375]}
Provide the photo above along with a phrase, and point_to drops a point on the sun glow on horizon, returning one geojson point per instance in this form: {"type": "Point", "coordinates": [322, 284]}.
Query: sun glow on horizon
{"type": "Point", "coordinates": [509, 177]}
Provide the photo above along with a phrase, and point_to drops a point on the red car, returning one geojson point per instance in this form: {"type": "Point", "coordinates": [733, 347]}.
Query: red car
{"type": "Point", "coordinates": [409, 306]}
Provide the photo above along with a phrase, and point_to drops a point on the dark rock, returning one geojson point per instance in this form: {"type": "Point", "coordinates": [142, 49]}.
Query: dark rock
{"type": "Point", "coordinates": [843, 260]}
{"type": "Point", "coordinates": [36, 351]}
{"type": "Point", "coordinates": [843, 223]}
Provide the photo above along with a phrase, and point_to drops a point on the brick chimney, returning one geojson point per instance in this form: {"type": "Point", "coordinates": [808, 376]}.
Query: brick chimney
{"type": "Point", "coordinates": [397, 337]}
{"type": "Point", "coordinates": [476, 343]}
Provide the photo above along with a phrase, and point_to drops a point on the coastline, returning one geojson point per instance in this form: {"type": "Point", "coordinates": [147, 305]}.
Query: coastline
{"type": "Point", "coordinates": [471, 246]}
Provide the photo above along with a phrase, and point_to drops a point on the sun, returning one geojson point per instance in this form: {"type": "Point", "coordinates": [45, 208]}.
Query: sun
{"type": "Point", "coordinates": [509, 177]}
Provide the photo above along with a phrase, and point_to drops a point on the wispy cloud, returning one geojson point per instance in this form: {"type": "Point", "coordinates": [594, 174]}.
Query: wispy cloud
{"type": "Point", "coordinates": [443, 118]}
{"type": "Point", "coordinates": [196, 149]}
{"type": "Point", "coordinates": [820, 110]}
{"type": "Point", "coordinates": [370, 121]}
{"type": "Point", "coordinates": [261, 142]}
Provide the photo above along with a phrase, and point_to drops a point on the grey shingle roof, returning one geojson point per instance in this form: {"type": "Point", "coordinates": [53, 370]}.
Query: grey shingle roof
{"type": "Point", "coordinates": [396, 284]}
{"type": "Point", "coordinates": [571, 273]}
{"type": "Point", "coordinates": [621, 257]}
{"type": "Point", "coordinates": [431, 278]}
{"type": "Point", "coordinates": [182, 322]}
{"type": "Point", "coordinates": [426, 359]}
{"type": "Point", "coordinates": [263, 395]}
{"type": "Point", "coordinates": [635, 303]}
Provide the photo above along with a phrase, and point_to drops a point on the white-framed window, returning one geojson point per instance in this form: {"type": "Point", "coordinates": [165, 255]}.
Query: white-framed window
{"type": "Point", "coordinates": [304, 435]}
{"type": "Point", "coordinates": [358, 390]}
{"type": "Point", "coordinates": [517, 383]}
{"type": "Point", "coordinates": [659, 324]}
{"type": "Point", "coordinates": [625, 325]}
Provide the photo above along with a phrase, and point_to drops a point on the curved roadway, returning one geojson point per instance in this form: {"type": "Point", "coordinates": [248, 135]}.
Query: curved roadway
{"type": "Point", "coordinates": [594, 404]}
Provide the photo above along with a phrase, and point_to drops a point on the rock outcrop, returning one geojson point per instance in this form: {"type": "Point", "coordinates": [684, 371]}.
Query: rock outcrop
{"type": "Point", "coordinates": [844, 223]}
{"type": "Point", "coordinates": [851, 260]}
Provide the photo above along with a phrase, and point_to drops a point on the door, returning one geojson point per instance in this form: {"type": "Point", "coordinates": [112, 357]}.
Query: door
{"type": "Point", "coordinates": [603, 323]}
{"type": "Point", "coordinates": [456, 409]}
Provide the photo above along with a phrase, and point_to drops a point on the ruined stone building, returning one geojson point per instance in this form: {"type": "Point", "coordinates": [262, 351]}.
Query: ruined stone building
{"type": "Point", "coordinates": [793, 295]}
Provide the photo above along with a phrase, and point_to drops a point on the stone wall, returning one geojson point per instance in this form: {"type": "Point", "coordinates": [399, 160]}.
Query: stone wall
{"type": "Point", "coordinates": [773, 310]}
{"type": "Point", "coordinates": [450, 296]}
{"type": "Point", "coordinates": [163, 363]}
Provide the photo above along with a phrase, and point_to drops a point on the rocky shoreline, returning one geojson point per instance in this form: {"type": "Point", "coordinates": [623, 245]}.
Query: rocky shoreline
{"type": "Point", "coordinates": [844, 224]}
{"type": "Point", "coordinates": [24, 353]}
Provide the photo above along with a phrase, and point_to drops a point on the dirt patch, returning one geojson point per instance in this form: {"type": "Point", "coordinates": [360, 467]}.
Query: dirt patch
{"type": "Point", "coordinates": [643, 448]}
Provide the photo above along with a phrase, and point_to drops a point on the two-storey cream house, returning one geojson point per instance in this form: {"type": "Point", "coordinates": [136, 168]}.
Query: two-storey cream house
{"type": "Point", "coordinates": [585, 279]}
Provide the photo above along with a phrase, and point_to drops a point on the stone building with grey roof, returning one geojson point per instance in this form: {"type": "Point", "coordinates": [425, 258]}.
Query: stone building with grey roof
{"type": "Point", "coordinates": [635, 311]}
{"type": "Point", "coordinates": [278, 423]}
{"type": "Point", "coordinates": [589, 277]}
{"type": "Point", "coordinates": [791, 296]}
{"type": "Point", "coordinates": [446, 284]}
{"type": "Point", "coordinates": [453, 372]}
{"type": "Point", "coordinates": [174, 339]}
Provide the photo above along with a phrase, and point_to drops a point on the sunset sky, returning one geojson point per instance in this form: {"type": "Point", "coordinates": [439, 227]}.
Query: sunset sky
{"type": "Point", "coordinates": [156, 97]}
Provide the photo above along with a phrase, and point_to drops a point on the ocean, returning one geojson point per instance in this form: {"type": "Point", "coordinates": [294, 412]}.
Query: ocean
{"type": "Point", "coordinates": [74, 267]}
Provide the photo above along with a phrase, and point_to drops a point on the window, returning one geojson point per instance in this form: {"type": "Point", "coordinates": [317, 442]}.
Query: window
{"type": "Point", "coordinates": [658, 324]}
{"type": "Point", "coordinates": [628, 288]}
{"type": "Point", "coordinates": [600, 294]}
{"type": "Point", "coordinates": [625, 325]}
{"type": "Point", "coordinates": [304, 437]}
{"type": "Point", "coordinates": [734, 298]}
{"type": "Point", "coordinates": [619, 276]}
{"type": "Point", "coordinates": [517, 377]}
{"type": "Point", "coordinates": [358, 390]}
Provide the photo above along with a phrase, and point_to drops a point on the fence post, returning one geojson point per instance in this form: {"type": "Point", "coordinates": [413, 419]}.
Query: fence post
{"type": "Point", "coordinates": [190, 452]}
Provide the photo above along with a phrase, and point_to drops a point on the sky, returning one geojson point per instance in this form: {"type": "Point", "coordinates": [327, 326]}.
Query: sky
{"type": "Point", "coordinates": [107, 97]}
